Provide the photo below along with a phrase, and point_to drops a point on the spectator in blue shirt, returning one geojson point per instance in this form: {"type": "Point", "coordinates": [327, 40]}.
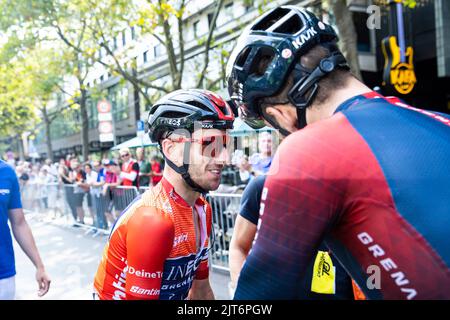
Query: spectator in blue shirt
{"type": "Point", "coordinates": [11, 209]}
{"type": "Point", "coordinates": [262, 160]}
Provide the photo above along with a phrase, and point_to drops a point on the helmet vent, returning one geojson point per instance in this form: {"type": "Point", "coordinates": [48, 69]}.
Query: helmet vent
{"type": "Point", "coordinates": [198, 105]}
{"type": "Point", "coordinates": [291, 26]}
{"type": "Point", "coordinates": [243, 57]}
{"type": "Point", "coordinates": [174, 114]}
{"type": "Point", "coordinates": [271, 19]}
{"type": "Point", "coordinates": [261, 61]}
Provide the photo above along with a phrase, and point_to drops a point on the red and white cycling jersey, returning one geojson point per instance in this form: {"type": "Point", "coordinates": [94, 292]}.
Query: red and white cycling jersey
{"type": "Point", "coordinates": [153, 251]}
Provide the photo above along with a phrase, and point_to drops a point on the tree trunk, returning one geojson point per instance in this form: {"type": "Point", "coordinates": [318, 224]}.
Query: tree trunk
{"type": "Point", "coordinates": [170, 50]}
{"type": "Point", "coordinates": [136, 98]}
{"type": "Point", "coordinates": [20, 147]}
{"type": "Point", "coordinates": [84, 124]}
{"type": "Point", "coordinates": [208, 43]}
{"type": "Point", "coordinates": [347, 34]}
{"type": "Point", "coordinates": [48, 138]}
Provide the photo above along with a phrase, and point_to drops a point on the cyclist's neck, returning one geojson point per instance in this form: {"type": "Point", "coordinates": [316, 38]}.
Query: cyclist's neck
{"type": "Point", "coordinates": [180, 187]}
{"type": "Point", "coordinates": [352, 88]}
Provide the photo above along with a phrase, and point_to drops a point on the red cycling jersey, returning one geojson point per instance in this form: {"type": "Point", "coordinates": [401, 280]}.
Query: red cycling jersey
{"type": "Point", "coordinates": [154, 251]}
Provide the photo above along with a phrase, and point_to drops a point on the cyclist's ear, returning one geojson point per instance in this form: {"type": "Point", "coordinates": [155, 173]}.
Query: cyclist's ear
{"type": "Point", "coordinates": [283, 114]}
{"type": "Point", "coordinates": [172, 151]}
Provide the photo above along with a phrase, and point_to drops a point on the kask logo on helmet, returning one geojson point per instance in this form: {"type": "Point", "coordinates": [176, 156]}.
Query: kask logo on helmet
{"type": "Point", "coordinates": [303, 37]}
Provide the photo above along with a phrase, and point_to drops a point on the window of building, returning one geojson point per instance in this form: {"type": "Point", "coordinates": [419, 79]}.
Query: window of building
{"type": "Point", "coordinates": [118, 97]}
{"type": "Point", "coordinates": [196, 30]}
{"type": "Point", "coordinates": [228, 9]}
{"type": "Point", "coordinates": [210, 17]}
{"type": "Point", "coordinates": [66, 124]}
{"type": "Point", "coordinates": [145, 56]}
{"type": "Point", "coordinates": [133, 33]}
{"type": "Point", "coordinates": [92, 113]}
{"type": "Point", "coordinates": [158, 50]}
{"type": "Point", "coordinates": [248, 4]}
{"type": "Point", "coordinates": [115, 43]}
{"type": "Point", "coordinates": [124, 38]}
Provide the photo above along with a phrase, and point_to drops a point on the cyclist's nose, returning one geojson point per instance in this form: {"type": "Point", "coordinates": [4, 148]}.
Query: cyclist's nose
{"type": "Point", "coordinates": [223, 156]}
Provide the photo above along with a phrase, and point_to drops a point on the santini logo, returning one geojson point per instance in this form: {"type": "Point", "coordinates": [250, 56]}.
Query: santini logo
{"type": "Point", "coordinates": [4, 192]}
{"type": "Point", "coordinates": [302, 38]}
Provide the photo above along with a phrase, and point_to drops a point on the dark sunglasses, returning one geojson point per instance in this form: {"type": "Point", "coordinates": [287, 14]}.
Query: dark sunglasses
{"type": "Point", "coordinates": [124, 155]}
{"type": "Point", "coordinates": [253, 119]}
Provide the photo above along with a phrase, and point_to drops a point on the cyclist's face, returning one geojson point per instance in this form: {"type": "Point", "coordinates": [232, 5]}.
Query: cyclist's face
{"type": "Point", "coordinates": [208, 156]}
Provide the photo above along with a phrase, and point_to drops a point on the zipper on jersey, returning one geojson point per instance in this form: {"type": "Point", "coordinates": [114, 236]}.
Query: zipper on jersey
{"type": "Point", "coordinates": [197, 234]}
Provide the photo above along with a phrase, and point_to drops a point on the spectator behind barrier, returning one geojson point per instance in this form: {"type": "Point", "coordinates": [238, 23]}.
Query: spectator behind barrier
{"type": "Point", "coordinates": [156, 173]}
{"type": "Point", "coordinates": [130, 169]}
{"type": "Point", "coordinates": [261, 161]}
{"type": "Point", "coordinates": [112, 180]}
{"type": "Point", "coordinates": [144, 168]}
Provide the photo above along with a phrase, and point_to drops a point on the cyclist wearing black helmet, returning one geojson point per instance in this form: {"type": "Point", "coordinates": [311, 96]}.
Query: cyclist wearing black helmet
{"type": "Point", "coordinates": [158, 248]}
{"type": "Point", "coordinates": [356, 175]}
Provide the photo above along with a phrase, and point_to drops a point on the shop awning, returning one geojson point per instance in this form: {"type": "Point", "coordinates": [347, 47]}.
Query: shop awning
{"type": "Point", "coordinates": [243, 129]}
{"type": "Point", "coordinates": [136, 142]}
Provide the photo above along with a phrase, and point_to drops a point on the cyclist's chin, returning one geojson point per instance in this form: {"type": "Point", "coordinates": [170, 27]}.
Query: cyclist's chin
{"type": "Point", "coordinates": [210, 181]}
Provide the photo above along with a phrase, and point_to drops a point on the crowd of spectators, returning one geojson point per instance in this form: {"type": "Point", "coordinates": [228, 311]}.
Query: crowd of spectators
{"type": "Point", "coordinates": [100, 189]}
{"type": "Point", "coordinates": [90, 188]}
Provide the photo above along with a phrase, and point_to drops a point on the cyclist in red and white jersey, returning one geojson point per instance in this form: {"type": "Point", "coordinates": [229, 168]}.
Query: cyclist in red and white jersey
{"type": "Point", "coordinates": [158, 247]}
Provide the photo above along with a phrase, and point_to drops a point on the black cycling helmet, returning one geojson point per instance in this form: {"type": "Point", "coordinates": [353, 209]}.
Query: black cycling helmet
{"type": "Point", "coordinates": [279, 37]}
{"type": "Point", "coordinates": [182, 109]}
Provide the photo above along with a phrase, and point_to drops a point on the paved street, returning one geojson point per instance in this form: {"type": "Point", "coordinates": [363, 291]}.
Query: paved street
{"type": "Point", "coordinates": [71, 259]}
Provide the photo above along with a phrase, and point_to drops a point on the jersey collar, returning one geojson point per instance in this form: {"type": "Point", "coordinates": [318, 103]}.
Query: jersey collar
{"type": "Point", "coordinates": [347, 104]}
{"type": "Point", "coordinates": [176, 197]}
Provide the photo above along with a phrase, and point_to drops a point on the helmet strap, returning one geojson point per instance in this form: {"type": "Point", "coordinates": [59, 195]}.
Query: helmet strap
{"type": "Point", "coordinates": [304, 91]}
{"type": "Point", "coordinates": [276, 126]}
{"type": "Point", "coordinates": [301, 118]}
{"type": "Point", "coordinates": [184, 169]}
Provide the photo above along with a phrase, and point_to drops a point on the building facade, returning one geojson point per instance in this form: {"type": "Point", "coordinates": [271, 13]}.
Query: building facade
{"type": "Point", "coordinates": [427, 31]}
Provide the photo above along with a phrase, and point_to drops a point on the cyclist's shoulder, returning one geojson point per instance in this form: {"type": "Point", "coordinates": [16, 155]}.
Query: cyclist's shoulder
{"type": "Point", "coordinates": [143, 217]}
{"type": "Point", "coordinates": [4, 165]}
{"type": "Point", "coordinates": [150, 219]}
{"type": "Point", "coordinates": [318, 135]}
{"type": "Point", "coordinates": [254, 186]}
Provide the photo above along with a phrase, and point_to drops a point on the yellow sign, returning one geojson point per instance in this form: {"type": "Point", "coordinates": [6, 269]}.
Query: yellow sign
{"type": "Point", "coordinates": [324, 274]}
{"type": "Point", "coordinates": [397, 74]}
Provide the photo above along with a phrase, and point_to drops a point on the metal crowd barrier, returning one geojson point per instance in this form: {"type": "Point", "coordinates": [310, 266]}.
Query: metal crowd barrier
{"type": "Point", "coordinates": [39, 197]}
{"type": "Point", "coordinates": [225, 208]}
{"type": "Point", "coordinates": [96, 211]}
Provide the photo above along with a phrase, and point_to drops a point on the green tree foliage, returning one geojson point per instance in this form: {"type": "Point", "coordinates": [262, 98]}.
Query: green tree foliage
{"type": "Point", "coordinates": [17, 111]}
{"type": "Point", "coordinates": [407, 3]}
